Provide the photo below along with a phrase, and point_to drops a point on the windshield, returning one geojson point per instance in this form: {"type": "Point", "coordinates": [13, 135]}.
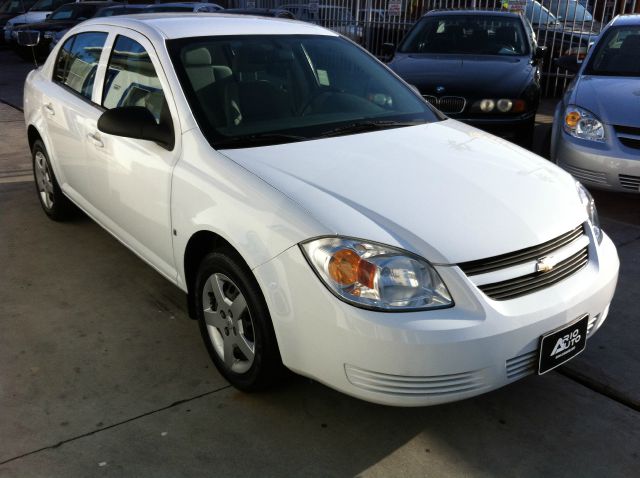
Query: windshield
{"type": "Point", "coordinates": [467, 34]}
{"type": "Point", "coordinates": [617, 53]}
{"type": "Point", "coordinates": [267, 89]}
{"type": "Point", "coordinates": [75, 11]}
{"type": "Point", "coordinates": [46, 5]}
{"type": "Point", "coordinates": [15, 6]}
{"type": "Point", "coordinates": [570, 10]}
{"type": "Point", "coordinates": [538, 15]}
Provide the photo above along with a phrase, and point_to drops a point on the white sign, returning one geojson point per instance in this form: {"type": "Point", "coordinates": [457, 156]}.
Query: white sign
{"type": "Point", "coordinates": [394, 8]}
{"type": "Point", "coordinates": [251, 5]}
{"type": "Point", "coordinates": [517, 6]}
{"type": "Point", "coordinates": [313, 6]}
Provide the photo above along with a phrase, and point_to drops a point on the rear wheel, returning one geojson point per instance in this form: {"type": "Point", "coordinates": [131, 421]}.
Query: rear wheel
{"type": "Point", "coordinates": [54, 203]}
{"type": "Point", "coordinates": [235, 323]}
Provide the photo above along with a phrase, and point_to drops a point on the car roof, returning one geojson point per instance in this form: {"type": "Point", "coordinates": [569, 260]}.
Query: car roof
{"type": "Point", "coordinates": [632, 19]}
{"type": "Point", "coordinates": [184, 25]}
{"type": "Point", "coordinates": [501, 13]}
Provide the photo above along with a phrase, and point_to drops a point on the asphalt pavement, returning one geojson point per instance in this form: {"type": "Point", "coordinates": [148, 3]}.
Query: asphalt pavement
{"type": "Point", "coordinates": [103, 374]}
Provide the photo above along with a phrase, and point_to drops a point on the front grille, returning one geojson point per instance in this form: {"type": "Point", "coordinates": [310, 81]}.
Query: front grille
{"type": "Point", "coordinates": [586, 174]}
{"type": "Point", "coordinates": [447, 104]}
{"type": "Point", "coordinates": [630, 182]}
{"type": "Point", "coordinates": [527, 283]}
{"type": "Point", "coordinates": [522, 365]}
{"type": "Point", "coordinates": [407, 385]}
{"type": "Point", "coordinates": [522, 256]}
{"type": "Point", "coordinates": [628, 135]}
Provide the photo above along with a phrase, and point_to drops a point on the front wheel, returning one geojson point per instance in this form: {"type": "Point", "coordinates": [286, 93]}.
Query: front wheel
{"type": "Point", "coordinates": [235, 323]}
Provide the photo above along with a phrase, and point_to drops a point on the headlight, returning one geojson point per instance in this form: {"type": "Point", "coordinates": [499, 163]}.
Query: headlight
{"type": "Point", "coordinates": [376, 276]}
{"type": "Point", "coordinates": [583, 124]}
{"type": "Point", "coordinates": [487, 105]}
{"type": "Point", "coordinates": [502, 105]}
{"type": "Point", "coordinates": [590, 206]}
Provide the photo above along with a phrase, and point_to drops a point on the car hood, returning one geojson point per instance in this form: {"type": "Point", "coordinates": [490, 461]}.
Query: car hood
{"type": "Point", "coordinates": [29, 17]}
{"type": "Point", "coordinates": [444, 190]}
{"type": "Point", "coordinates": [468, 75]}
{"type": "Point", "coordinates": [614, 100]}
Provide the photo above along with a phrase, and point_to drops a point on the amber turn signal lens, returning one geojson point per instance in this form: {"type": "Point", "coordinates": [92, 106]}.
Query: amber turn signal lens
{"type": "Point", "coordinates": [346, 268]}
{"type": "Point", "coordinates": [572, 118]}
{"type": "Point", "coordinates": [343, 266]}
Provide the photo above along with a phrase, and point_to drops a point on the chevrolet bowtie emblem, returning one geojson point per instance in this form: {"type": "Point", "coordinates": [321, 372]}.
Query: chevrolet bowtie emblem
{"type": "Point", "coordinates": [545, 264]}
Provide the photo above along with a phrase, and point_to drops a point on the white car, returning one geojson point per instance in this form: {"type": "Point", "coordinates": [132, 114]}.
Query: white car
{"type": "Point", "coordinates": [318, 213]}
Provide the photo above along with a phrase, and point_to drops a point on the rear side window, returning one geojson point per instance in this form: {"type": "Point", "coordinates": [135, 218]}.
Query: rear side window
{"type": "Point", "coordinates": [131, 79]}
{"type": "Point", "coordinates": [77, 62]}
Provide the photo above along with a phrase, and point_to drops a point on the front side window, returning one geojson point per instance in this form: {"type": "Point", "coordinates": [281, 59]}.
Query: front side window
{"type": "Point", "coordinates": [279, 88]}
{"type": "Point", "coordinates": [16, 6]}
{"type": "Point", "coordinates": [617, 53]}
{"type": "Point", "coordinates": [77, 62]}
{"type": "Point", "coordinates": [467, 34]}
{"type": "Point", "coordinates": [131, 79]}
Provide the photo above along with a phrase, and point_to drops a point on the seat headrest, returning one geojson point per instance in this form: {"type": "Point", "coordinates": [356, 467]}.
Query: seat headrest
{"type": "Point", "coordinates": [198, 57]}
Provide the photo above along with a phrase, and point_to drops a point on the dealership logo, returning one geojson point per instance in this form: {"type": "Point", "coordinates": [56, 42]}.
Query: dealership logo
{"type": "Point", "coordinates": [545, 264]}
{"type": "Point", "coordinates": [566, 344]}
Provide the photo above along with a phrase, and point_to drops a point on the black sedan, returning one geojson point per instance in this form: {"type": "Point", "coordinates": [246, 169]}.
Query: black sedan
{"type": "Point", "coordinates": [478, 67]}
{"type": "Point", "coordinates": [60, 20]}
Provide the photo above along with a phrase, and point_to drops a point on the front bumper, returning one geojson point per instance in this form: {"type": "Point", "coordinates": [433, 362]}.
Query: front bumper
{"type": "Point", "coordinates": [428, 357]}
{"type": "Point", "coordinates": [607, 165]}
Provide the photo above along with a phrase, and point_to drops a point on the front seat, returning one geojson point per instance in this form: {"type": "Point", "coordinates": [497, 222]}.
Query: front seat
{"type": "Point", "coordinates": [251, 96]}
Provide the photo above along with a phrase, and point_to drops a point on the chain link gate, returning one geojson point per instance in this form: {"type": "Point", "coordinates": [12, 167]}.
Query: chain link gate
{"type": "Point", "coordinates": [565, 27]}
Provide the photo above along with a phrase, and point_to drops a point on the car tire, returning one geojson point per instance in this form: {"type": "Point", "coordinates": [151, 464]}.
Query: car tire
{"type": "Point", "coordinates": [235, 323]}
{"type": "Point", "coordinates": [54, 203]}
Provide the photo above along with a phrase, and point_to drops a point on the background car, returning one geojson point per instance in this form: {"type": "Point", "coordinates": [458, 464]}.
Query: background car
{"type": "Point", "coordinates": [59, 21]}
{"type": "Point", "coordinates": [262, 12]}
{"type": "Point", "coordinates": [37, 13]}
{"type": "Point", "coordinates": [195, 7]}
{"type": "Point", "coordinates": [480, 67]}
{"type": "Point", "coordinates": [596, 128]}
{"type": "Point", "coordinates": [12, 8]}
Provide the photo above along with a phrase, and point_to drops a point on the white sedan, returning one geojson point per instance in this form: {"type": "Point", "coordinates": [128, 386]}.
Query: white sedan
{"type": "Point", "coordinates": [318, 213]}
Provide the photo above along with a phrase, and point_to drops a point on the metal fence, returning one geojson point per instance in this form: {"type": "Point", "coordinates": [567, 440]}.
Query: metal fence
{"type": "Point", "coordinates": [565, 27]}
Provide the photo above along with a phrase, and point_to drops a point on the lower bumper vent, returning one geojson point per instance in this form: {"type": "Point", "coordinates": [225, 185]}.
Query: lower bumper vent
{"type": "Point", "coordinates": [404, 385]}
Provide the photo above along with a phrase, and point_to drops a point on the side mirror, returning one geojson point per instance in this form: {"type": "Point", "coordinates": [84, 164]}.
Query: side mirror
{"type": "Point", "coordinates": [540, 52]}
{"type": "Point", "coordinates": [138, 123]}
{"type": "Point", "coordinates": [388, 49]}
{"type": "Point", "coordinates": [27, 38]}
{"type": "Point", "coordinates": [569, 63]}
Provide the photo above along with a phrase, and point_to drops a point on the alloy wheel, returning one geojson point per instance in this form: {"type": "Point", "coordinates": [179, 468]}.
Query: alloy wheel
{"type": "Point", "coordinates": [44, 179]}
{"type": "Point", "coordinates": [229, 323]}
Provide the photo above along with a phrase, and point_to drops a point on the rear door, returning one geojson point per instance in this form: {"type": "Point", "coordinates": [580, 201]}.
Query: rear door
{"type": "Point", "coordinates": [67, 105]}
{"type": "Point", "coordinates": [131, 178]}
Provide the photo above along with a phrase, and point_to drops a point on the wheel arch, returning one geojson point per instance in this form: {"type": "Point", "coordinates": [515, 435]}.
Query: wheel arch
{"type": "Point", "coordinates": [33, 135]}
{"type": "Point", "coordinates": [199, 245]}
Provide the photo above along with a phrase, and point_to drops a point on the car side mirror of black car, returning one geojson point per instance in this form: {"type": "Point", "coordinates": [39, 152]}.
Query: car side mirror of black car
{"type": "Point", "coordinates": [388, 50]}
{"type": "Point", "coordinates": [27, 38]}
{"type": "Point", "coordinates": [138, 123]}
{"type": "Point", "coordinates": [540, 52]}
{"type": "Point", "coordinates": [569, 63]}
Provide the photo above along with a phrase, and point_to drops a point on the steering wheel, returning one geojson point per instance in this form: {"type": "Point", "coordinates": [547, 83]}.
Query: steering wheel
{"type": "Point", "coordinates": [326, 90]}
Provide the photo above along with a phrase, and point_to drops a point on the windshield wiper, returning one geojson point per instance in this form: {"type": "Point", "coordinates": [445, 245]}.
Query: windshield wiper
{"type": "Point", "coordinates": [364, 126]}
{"type": "Point", "coordinates": [259, 139]}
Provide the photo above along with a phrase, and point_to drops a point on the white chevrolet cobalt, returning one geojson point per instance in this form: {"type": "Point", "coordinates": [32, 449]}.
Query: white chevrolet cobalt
{"type": "Point", "coordinates": [319, 214]}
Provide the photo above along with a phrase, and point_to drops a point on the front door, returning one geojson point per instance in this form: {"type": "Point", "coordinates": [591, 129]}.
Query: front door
{"type": "Point", "coordinates": [131, 177]}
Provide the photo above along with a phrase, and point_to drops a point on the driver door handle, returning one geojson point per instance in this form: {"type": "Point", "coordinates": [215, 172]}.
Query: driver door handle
{"type": "Point", "coordinates": [49, 109]}
{"type": "Point", "coordinates": [97, 142]}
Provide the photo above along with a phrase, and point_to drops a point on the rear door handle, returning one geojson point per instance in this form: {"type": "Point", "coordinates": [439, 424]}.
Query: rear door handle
{"type": "Point", "coordinates": [97, 142]}
{"type": "Point", "coordinates": [49, 109]}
